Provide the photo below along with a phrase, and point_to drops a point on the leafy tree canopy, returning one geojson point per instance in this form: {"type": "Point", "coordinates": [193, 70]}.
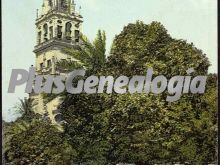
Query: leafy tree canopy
{"type": "Point", "coordinates": [129, 128]}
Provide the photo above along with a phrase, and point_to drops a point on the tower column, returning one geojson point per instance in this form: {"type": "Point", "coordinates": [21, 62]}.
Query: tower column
{"type": "Point", "coordinates": [42, 36]}
{"type": "Point", "coordinates": [54, 29]}
{"type": "Point", "coordinates": [63, 30]}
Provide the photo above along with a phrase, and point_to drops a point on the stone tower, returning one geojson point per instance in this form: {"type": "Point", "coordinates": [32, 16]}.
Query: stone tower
{"type": "Point", "coordinates": [57, 27]}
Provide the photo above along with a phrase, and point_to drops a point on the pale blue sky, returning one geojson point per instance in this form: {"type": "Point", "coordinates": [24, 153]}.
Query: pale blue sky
{"type": "Point", "coordinates": [193, 20]}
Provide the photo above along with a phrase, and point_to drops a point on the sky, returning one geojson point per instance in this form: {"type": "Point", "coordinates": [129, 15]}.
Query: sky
{"type": "Point", "coordinates": [191, 20]}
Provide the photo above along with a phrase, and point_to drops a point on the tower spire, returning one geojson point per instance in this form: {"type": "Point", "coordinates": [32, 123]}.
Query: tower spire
{"type": "Point", "coordinates": [37, 13]}
{"type": "Point", "coordinates": [67, 6]}
{"type": "Point", "coordinates": [47, 6]}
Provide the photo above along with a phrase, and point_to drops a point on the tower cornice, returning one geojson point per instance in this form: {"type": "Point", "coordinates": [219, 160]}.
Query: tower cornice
{"type": "Point", "coordinates": [55, 43]}
{"type": "Point", "coordinates": [77, 18]}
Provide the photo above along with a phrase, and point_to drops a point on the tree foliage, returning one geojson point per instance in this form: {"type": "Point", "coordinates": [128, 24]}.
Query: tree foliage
{"type": "Point", "coordinates": [38, 143]}
{"type": "Point", "coordinates": [90, 55]}
{"type": "Point", "coordinates": [141, 128]}
{"type": "Point", "coordinates": [129, 128]}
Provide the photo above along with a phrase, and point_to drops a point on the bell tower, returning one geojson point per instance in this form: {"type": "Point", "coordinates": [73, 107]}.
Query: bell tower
{"type": "Point", "coordinates": [58, 26]}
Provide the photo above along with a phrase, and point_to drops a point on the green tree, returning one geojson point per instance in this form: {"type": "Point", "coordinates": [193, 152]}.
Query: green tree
{"type": "Point", "coordinates": [25, 111]}
{"type": "Point", "coordinates": [171, 132]}
{"type": "Point", "coordinates": [40, 143]}
{"type": "Point", "coordinates": [25, 108]}
{"type": "Point", "coordinates": [85, 124]}
{"type": "Point", "coordinates": [144, 128]}
{"type": "Point", "coordinates": [32, 140]}
{"type": "Point", "coordinates": [90, 55]}
{"type": "Point", "coordinates": [130, 128]}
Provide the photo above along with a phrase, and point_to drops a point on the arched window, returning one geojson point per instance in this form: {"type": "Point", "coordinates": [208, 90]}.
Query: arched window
{"type": "Point", "coordinates": [58, 118]}
{"type": "Point", "coordinates": [45, 27]}
{"type": "Point", "coordinates": [68, 30]}
{"type": "Point", "coordinates": [77, 35]}
{"type": "Point", "coordinates": [50, 3]}
{"type": "Point", "coordinates": [59, 32]}
{"type": "Point", "coordinates": [49, 64]}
